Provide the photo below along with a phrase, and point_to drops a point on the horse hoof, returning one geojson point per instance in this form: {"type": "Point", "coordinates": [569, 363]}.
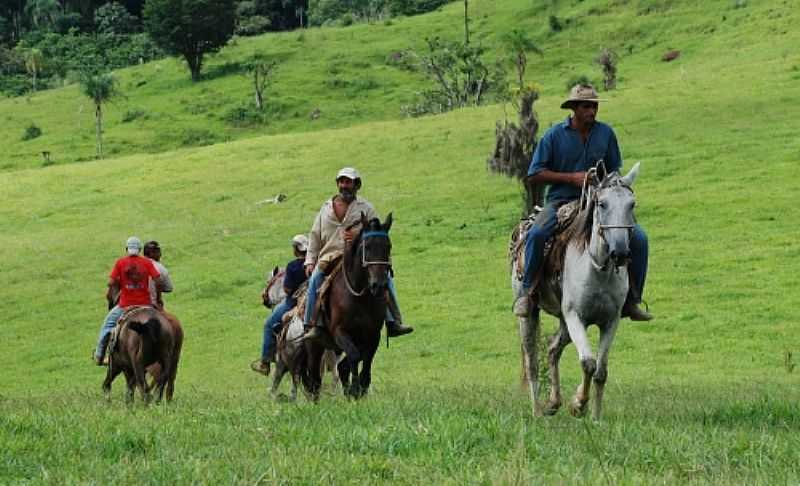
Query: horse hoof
{"type": "Point", "coordinates": [577, 410]}
{"type": "Point", "coordinates": [551, 408]}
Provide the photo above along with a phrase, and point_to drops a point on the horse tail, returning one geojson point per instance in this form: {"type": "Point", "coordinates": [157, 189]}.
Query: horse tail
{"type": "Point", "coordinates": [149, 328]}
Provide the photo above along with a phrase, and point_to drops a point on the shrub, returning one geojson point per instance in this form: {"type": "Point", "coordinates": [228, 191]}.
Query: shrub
{"type": "Point", "coordinates": [197, 137]}
{"type": "Point", "coordinates": [132, 115]}
{"type": "Point", "coordinates": [555, 24]}
{"type": "Point", "coordinates": [31, 132]}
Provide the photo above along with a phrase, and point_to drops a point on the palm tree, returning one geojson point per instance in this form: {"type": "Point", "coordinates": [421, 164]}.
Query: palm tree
{"type": "Point", "coordinates": [101, 88]}
{"type": "Point", "coordinates": [33, 63]}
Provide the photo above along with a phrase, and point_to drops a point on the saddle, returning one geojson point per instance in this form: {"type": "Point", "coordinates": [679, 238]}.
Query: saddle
{"type": "Point", "coordinates": [554, 248]}
{"type": "Point", "coordinates": [330, 270]}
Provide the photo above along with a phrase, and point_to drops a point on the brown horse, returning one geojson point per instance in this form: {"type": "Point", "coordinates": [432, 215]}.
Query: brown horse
{"type": "Point", "coordinates": [145, 340]}
{"type": "Point", "coordinates": [355, 310]}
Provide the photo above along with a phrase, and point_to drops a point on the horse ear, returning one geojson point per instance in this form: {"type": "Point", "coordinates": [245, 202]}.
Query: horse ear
{"type": "Point", "coordinates": [388, 223]}
{"type": "Point", "coordinates": [364, 222]}
{"type": "Point", "coordinates": [275, 271]}
{"type": "Point", "coordinates": [630, 177]}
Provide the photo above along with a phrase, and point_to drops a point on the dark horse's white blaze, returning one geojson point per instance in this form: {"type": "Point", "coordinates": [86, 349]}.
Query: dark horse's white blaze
{"type": "Point", "coordinates": [594, 285]}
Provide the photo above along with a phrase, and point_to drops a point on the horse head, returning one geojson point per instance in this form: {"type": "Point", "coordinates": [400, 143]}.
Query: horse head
{"type": "Point", "coordinates": [373, 252]}
{"type": "Point", "coordinates": [613, 218]}
{"type": "Point", "coordinates": [273, 293]}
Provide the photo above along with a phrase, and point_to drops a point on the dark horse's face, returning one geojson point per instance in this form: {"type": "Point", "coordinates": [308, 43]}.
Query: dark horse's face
{"type": "Point", "coordinates": [375, 252]}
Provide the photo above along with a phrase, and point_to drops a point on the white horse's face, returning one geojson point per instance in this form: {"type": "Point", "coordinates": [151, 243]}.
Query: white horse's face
{"type": "Point", "coordinates": [614, 221]}
{"type": "Point", "coordinates": [613, 216]}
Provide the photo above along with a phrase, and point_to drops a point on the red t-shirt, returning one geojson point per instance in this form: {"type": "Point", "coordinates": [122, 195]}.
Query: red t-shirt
{"type": "Point", "coordinates": [133, 273]}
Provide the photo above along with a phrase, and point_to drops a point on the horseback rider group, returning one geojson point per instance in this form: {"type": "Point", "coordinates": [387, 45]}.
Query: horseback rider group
{"type": "Point", "coordinates": [561, 160]}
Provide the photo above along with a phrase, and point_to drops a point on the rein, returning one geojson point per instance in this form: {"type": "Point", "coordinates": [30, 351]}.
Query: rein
{"type": "Point", "coordinates": [364, 262]}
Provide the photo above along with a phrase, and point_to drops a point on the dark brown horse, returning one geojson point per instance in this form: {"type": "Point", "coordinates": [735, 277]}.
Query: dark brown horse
{"type": "Point", "coordinates": [355, 310]}
{"type": "Point", "coordinates": [145, 340]}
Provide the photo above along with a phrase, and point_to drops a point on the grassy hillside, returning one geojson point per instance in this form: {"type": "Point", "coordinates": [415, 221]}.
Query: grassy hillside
{"type": "Point", "coordinates": [347, 75]}
{"type": "Point", "coordinates": [706, 394]}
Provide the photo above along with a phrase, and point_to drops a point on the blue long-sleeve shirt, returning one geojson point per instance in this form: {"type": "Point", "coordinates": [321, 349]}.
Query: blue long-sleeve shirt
{"type": "Point", "coordinates": [562, 150]}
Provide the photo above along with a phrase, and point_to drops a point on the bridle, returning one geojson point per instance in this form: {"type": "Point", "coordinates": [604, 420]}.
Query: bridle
{"type": "Point", "coordinates": [600, 226]}
{"type": "Point", "coordinates": [364, 262]}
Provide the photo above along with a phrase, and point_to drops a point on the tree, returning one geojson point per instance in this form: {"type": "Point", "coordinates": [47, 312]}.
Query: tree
{"type": "Point", "coordinates": [261, 71]}
{"type": "Point", "coordinates": [33, 64]}
{"type": "Point", "coordinates": [101, 88]}
{"type": "Point", "coordinates": [607, 59]}
{"type": "Point", "coordinates": [190, 28]}
{"type": "Point", "coordinates": [516, 42]}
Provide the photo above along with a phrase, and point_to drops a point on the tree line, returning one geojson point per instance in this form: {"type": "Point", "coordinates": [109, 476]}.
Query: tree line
{"type": "Point", "coordinates": [47, 43]}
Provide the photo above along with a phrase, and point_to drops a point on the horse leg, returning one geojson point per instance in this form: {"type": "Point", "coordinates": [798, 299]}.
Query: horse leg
{"type": "Point", "coordinates": [577, 332]}
{"type": "Point", "coordinates": [529, 335]}
{"type": "Point", "coordinates": [163, 377]}
{"type": "Point", "coordinates": [557, 344]}
{"type": "Point", "coordinates": [343, 370]}
{"type": "Point", "coordinates": [139, 379]}
{"type": "Point", "coordinates": [353, 356]}
{"type": "Point", "coordinates": [280, 370]}
{"type": "Point", "coordinates": [365, 377]}
{"type": "Point", "coordinates": [601, 374]}
{"type": "Point", "coordinates": [314, 377]}
{"type": "Point", "coordinates": [111, 373]}
{"type": "Point", "coordinates": [130, 380]}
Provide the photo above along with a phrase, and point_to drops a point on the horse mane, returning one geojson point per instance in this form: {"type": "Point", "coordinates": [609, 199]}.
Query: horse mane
{"type": "Point", "coordinates": [579, 231]}
{"type": "Point", "coordinates": [373, 225]}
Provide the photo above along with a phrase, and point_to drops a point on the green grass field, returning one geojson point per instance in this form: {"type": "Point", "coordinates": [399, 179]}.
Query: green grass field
{"type": "Point", "coordinates": [707, 393]}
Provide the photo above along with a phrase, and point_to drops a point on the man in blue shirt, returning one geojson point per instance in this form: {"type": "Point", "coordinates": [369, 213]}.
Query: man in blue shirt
{"type": "Point", "coordinates": [294, 277]}
{"type": "Point", "coordinates": [561, 160]}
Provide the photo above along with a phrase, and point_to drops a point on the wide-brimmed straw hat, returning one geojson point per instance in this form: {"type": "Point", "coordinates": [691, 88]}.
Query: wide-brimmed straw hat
{"type": "Point", "coordinates": [581, 92]}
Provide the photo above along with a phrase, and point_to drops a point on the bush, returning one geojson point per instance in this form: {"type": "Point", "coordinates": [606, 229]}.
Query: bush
{"type": "Point", "coordinates": [31, 132]}
{"type": "Point", "coordinates": [197, 137]}
{"type": "Point", "coordinates": [555, 24]}
{"type": "Point", "coordinates": [132, 115]}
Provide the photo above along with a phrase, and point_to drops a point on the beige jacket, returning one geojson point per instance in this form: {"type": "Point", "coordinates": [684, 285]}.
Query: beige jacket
{"type": "Point", "coordinates": [326, 240]}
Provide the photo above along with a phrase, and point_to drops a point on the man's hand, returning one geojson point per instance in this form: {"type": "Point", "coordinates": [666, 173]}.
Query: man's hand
{"type": "Point", "coordinates": [577, 178]}
{"type": "Point", "coordinates": [348, 235]}
{"type": "Point", "coordinates": [309, 269]}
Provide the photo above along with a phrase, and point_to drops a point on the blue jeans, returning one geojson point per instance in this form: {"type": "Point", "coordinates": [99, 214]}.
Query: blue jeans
{"type": "Point", "coordinates": [316, 280]}
{"type": "Point", "coordinates": [272, 325]}
{"type": "Point", "coordinates": [543, 229]}
{"type": "Point", "coordinates": [105, 330]}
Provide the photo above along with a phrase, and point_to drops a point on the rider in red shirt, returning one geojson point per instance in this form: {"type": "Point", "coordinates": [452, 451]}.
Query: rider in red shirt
{"type": "Point", "coordinates": [131, 278]}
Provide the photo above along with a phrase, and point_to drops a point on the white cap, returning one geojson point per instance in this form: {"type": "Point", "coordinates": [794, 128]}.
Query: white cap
{"type": "Point", "coordinates": [348, 172]}
{"type": "Point", "coordinates": [300, 242]}
{"type": "Point", "coordinates": [134, 245]}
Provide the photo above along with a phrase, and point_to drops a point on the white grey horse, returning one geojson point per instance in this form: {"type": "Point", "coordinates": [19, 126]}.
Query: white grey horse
{"type": "Point", "coordinates": [289, 350]}
{"type": "Point", "coordinates": [591, 290]}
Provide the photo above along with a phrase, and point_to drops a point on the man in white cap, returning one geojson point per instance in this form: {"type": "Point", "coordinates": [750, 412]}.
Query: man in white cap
{"type": "Point", "coordinates": [327, 240]}
{"type": "Point", "coordinates": [130, 277]}
{"type": "Point", "coordinates": [561, 159]}
{"type": "Point", "coordinates": [293, 278]}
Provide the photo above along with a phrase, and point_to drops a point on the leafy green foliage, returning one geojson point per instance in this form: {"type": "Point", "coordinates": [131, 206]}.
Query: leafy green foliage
{"type": "Point", "coordinates": [460, 76]}
{"type": "Point", "coordinates": [190, 28]}
{"type": "Point", "coordinates": [113, 18]}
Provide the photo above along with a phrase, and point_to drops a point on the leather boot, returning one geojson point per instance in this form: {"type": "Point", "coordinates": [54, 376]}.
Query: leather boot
{"type": "Point", "coordinates": [634, 312]}
{"type": "Point", "coordinates": [395, 328]}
